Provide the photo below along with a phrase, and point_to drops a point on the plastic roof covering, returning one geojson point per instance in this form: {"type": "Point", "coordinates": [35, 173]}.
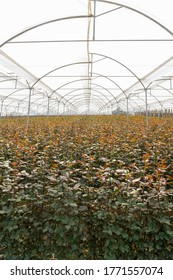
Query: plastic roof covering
{"type": "Point", "coordinates": [85, 56]}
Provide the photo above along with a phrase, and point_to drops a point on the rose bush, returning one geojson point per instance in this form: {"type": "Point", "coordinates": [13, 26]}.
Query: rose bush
{"type": "Point", "coordinates": [86, 187]}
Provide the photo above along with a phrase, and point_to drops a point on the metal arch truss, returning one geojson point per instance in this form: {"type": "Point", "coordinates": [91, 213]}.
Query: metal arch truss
{"type": "Point", "coordinates": [138, 12]}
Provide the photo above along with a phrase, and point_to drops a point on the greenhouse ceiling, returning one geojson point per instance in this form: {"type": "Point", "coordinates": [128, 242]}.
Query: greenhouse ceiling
{"type": "Point", "coordinates": [85, 56]}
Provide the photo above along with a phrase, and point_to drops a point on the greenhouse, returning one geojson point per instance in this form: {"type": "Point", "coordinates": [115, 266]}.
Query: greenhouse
{"type": "Point", "coordinates": [86, 130]}
{"type": "Point", "coordinates": [86, 57]}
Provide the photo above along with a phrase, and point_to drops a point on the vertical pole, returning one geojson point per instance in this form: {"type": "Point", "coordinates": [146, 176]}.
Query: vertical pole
{"type": "Point", "coordinates": [146, 106]}
{"type": "Point", "coordinates": [110, 109]}
{"type": "Point", "coordinates": [16, 82]}
{"type": "Point", "coordinates": [105, 109]}
{"type": "Point", "coordinates": [6, 111]}
{"type": "Point", "coordinates": [161, 113]}
{"type": "Point", "coordinates": [37, 109]}
{"type": "Point", "coordinates": [18, 109]}
{"type": "Point", "coordinates": [58, 108]}
{"type": "Point", "coordinates": [68, 110]}
{"type": "Point", "coordinates": [112, 106]}
{"type": "Point", "coordinates": [127, 109]}
{"type": "Point", "coordinates": [2, 102]}
{"type": "Point", "coordinates": [48, 105]}
{"type": "Point", "coordinates": [127, 106]}
{"type": "Point", "coordinates": [94, 23]}
{"type": "Point", "coordinates": [29, 107]}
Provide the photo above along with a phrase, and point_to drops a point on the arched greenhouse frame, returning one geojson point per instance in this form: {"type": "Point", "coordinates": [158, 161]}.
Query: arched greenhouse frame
{"type": "Point", "coordinates": [94, 57]}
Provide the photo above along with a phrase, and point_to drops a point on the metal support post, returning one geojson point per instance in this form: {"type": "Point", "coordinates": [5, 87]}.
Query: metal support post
{"type": "Point", "coordinates": [2, 102]}
{"type": "Point", "coordinates": [146, 107]}
{"type": "Point", "coordinates": [58, 108]}
{"type": "Point", "coordinates": [94, 23]}
{"type": "Point", "coordinates": [18, 108]}
{"type": "Point", "coordinates": [127, 106]}
{"type": "Point", "coordinates": [29, 107]}
{"type": "Point", "coordinates": [63, 108]}
{"type": "Point", "coordinates": [48, 105]}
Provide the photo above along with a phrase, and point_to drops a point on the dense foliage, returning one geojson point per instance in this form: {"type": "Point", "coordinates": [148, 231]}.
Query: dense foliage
{"type": "Point", "coordinates": [86, 188]}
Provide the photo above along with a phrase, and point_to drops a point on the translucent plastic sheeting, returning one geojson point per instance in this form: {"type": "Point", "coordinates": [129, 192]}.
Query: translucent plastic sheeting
{"type": "Point", "coordinates": [85, 57]}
